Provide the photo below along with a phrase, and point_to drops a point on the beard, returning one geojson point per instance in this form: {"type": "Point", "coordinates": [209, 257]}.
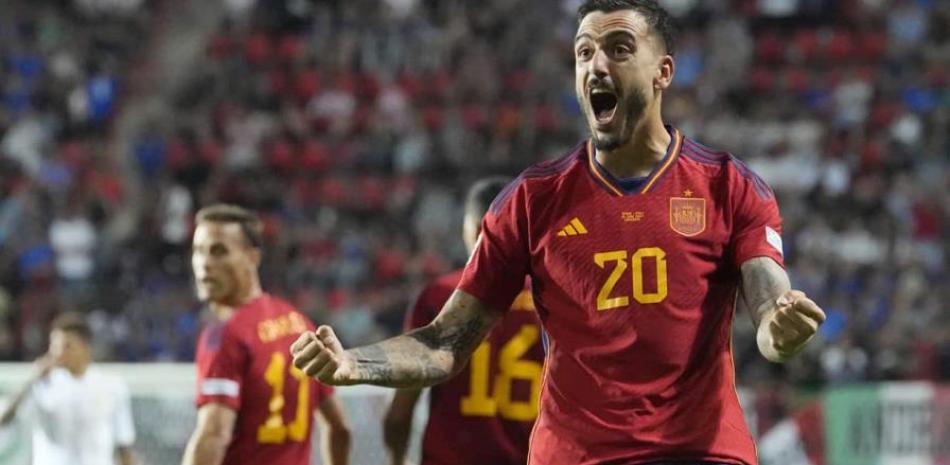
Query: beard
{"type": "Point", "coordinates": [634, 104]}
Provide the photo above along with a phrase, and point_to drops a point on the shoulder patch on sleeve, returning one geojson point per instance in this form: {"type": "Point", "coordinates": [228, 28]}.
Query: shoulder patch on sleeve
{"type": "Point", "coordinates": [220, 387]}
{"type": "Point", "coordinates": [774, 239]}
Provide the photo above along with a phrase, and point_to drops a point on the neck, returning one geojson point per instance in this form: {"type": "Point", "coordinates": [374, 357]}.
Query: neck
{"type": "Point", "coordinates": [224, 309]}
{"type": "Point", "coordinates": [637, 158]}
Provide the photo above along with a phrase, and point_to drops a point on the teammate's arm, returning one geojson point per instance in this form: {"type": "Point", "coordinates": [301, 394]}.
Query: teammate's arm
{"type": "Point", "coordinates": [41, 368]}
{"type": "Point", "coordinates": [338, 439]}
{"type": "Point", "coordinates": [211, 437]}
{"type": "Point", "coordinates": [398, 424]}
{"type": "Point", "coordinates": [785, 319]}
{"type": "Point", "coordinates": [419, 358]}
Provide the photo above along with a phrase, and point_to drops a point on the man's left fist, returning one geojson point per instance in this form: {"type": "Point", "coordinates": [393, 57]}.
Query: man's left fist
{"type": "Point", "coordinates": [794, 322]}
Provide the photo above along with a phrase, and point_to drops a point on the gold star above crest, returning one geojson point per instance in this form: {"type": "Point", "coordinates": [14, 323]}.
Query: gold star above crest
{"type": "Point", "coordinates": [687, 193]}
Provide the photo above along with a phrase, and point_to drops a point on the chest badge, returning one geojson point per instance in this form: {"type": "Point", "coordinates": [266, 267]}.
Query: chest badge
{"type": "Point", "coordinates": [688, 214]}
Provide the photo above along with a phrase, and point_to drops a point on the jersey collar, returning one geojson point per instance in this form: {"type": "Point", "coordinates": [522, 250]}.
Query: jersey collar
{"type": "Point", "coordinates": [609, 183]}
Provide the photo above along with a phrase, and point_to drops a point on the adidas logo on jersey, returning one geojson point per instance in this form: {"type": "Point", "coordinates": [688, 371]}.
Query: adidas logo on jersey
{"type": "Point", "coordinates": [574, 228]}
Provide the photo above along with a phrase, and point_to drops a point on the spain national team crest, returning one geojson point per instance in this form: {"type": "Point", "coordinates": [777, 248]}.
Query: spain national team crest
{"type": "Point", "coordinates": [687, 215]}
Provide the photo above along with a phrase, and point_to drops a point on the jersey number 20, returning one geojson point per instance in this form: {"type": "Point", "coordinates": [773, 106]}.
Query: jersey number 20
{"type": "Point", "coordinates": [606, 302]}
{"type": "Point", "coordinates": [484, 403]}
{"type": "Point", "coordinates": [274, 431]}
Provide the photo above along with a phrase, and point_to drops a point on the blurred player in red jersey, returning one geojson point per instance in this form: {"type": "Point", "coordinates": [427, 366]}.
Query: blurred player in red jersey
{"type": "Point", "coordinates": [641, 244]}
{"type": "Point", "coordinates": [254, 407]}
{"type": "Point", "coordinates": [485, 414]}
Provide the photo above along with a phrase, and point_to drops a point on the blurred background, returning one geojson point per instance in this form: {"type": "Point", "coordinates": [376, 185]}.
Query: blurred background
{"type": "Point", "coordinates": [355, 126]}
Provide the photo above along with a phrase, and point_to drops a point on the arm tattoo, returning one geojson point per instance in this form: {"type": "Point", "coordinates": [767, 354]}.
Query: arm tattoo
{"type": "Point", "coordinates": [763, 281]}
{"type": "Point", "coordinates": [454, 338]}
{"type": "Point", "coordinates": [428, 355]}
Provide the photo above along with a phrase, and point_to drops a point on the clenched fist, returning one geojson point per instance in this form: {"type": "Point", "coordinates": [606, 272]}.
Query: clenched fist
{"type": "Point", "coordinates": [320, 354]}
{"type": "Point", "coordinates": [793, 323]}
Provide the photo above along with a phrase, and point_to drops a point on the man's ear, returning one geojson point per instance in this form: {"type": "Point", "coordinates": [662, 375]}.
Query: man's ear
{"type": "Point", "coordinates": [665, 70]}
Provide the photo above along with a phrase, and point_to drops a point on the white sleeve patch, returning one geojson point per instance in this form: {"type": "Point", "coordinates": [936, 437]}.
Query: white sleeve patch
{"type": "Point", "coordinates": [220, 387]}
{"type": "Point", "coordinates": [774, 239]}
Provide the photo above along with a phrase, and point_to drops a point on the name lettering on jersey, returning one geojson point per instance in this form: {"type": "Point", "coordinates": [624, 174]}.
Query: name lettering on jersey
{"type": "Point", "coordinates": [574, 228]}
{"type": "Point", "coordinates": [632, 217]}
{"type": "Point", "coordinates": [524, 301]}
{"type": "Point", "coordinates": [273, 329]}
{"type": "Point", "coordinates": [688, 214]}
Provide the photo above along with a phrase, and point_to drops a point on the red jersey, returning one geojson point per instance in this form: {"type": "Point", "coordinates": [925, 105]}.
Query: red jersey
{"type": "Point", "coordinates": [245, 363]}
{"type": "Point", "coordinates": [485, 414]}
{"type": "Point", "coordinates": [637, 291]}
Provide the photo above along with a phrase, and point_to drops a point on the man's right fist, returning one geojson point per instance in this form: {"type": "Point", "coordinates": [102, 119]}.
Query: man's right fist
{"type": "Point", "coordinates": [320, 354]}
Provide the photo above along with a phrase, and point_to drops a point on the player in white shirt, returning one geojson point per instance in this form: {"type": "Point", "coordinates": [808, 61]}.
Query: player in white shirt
{"type": "Point", "coordinates": [80, 415]}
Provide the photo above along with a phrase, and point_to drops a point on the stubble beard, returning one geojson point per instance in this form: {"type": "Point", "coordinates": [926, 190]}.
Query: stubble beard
{"type": "Point", "coordinates": [635, 103]}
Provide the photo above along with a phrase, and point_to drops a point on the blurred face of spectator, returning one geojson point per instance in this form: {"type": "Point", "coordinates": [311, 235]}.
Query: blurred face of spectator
{"type": "Point", "coordinates": [620, 68]}
{"type": "Point", "coordinates": [224, 262]}
{"type": "Point", "coordinates": [69, 350]}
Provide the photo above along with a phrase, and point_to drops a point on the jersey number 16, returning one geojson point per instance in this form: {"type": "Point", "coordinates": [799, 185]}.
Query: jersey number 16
{"type": "Point", "coordinates": [484, 403]}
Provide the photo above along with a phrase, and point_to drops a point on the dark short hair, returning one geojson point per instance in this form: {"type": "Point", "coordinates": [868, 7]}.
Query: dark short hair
{"type": "Point", "coordinates": [482, 193]}
{"type": "Point", "coordinates": [73, 322]}
{"type": "Point", "coordinates": [664, 26]}
{"type": "Point", "coordinates": [250, 223]}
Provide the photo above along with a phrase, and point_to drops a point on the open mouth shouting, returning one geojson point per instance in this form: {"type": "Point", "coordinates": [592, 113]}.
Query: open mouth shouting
{"type": "Point", "coordinates": [603, 103]}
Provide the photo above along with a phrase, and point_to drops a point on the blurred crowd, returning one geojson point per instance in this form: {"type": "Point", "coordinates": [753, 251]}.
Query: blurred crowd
{"type": "Point", "coordinates": [354, 127]}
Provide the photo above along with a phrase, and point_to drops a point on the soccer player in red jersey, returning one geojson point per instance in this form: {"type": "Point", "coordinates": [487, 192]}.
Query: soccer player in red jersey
{"type": "Point", "coordinates": [254, 407]}
{"type": "Point", "coordinates": [485, 414]}
{"type": "Point", "coordinates": [641, 244]}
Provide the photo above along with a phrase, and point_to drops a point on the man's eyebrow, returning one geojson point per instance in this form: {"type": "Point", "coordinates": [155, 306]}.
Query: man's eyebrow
{"type": "Point", "coordinates": [583, 35]}
{"type": "Point", "coordinates": [622, 33]}
{"type": "Point", "coordinates": [610, 34]}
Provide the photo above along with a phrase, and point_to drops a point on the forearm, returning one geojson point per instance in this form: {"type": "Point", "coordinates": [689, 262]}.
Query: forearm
{"type": "Point", "coordinates": [785, 320]}
{"type": "Point", "coordinates": [428, 355]}
{"type": "Point", "coordinates": [763, 283]}
{"type": "Point", "coordinates": [10, 412]}
{"type": "Point", "coordinates": [396, 437]}
{"type": "Point", "coordinates": [397, 443]}
{"type": "Point", "coordinates": [397, 424]}
{"type": "Point", "coordinates": [421, 358]}
{"type": "Point", "coordinates": [339, 445]}
{"type": "Point", "coordinates": [205, 450]}
{"type": "Point", "coordinates": [413, 360]}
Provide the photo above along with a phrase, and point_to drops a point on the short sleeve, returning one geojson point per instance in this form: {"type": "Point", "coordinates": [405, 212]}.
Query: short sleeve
{"type": "Point", "coordinates": [496, 270]}
{"type": "Point", "coordinates": [221, 360]}
{"type": "Point", "coordinates": [757, 225]}
{"type": "Point", "coordinates": [123, 424]}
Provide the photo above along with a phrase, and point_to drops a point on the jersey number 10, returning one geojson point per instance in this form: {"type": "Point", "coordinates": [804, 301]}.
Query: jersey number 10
{"type": "Point", "coordinates": [482, 403]}
{"type": "Point", "coordinates": [274, 431]}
